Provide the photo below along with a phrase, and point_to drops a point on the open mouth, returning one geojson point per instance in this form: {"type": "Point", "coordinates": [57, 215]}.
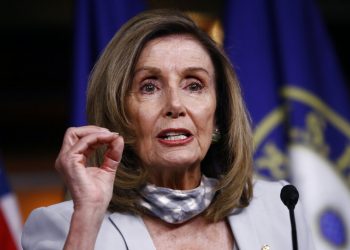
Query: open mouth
{"type": "Point", "coordinates": [174, 135]}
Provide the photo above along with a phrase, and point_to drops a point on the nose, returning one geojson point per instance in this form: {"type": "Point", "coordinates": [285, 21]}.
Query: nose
{"type": "Point", "coordinates": [174, 107]}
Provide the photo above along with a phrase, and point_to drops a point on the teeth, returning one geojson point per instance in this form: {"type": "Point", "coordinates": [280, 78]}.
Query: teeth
{"type": "Point", "coordinates": [175, 137]}
{"type": "Point", "coordinates": [172, 134]}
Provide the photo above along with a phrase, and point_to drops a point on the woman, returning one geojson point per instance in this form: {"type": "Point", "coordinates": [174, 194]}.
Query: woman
{"type": "Point", "coordinates": [179, 173]}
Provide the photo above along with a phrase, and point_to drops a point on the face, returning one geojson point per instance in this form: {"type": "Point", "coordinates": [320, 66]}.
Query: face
{"type": "Point", "coordinates": [172, 103]}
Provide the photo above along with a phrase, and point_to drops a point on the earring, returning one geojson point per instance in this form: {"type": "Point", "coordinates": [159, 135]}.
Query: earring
{"type": "Point", "coordinates": [216, 136]}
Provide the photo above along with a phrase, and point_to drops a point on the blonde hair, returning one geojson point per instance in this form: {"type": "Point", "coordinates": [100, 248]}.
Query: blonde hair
{"type": "Point", "coordinates": [229, 159]}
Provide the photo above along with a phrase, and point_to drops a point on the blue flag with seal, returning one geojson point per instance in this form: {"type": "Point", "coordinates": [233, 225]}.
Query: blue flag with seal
{"type": "Point", "coordinates": [299, 104]}
{"type": "Point", "coordinates": [96, 21]}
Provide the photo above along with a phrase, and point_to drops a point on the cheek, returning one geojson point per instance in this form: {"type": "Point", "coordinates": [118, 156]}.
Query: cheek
{"type": "Point", "coordinates": [143, 123]}
{"type": "Point", "coordinates": [143, 118]}
{"type": "Point", "coordinates": [205, 112]}
{"type": "Point", "coordinates": [209, 122]}
{"type": "Point", "coordinates": [143, 132]}
{"type": "Point", "coordinates": [204, 118]}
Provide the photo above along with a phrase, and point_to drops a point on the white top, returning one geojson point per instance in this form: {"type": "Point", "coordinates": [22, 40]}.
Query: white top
{"type": "Point", "coordinates": [265, 222]}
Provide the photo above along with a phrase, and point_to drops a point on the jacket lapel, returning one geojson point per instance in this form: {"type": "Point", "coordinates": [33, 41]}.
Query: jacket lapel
{"type": "Point", "coordinates": [244, 230]}
{"type": "Point", "coordinates": [133, 231]}
{"type": "Point", "coordinates": [136, 236]}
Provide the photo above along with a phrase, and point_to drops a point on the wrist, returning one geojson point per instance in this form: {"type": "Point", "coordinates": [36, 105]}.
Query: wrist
{"type": "Point", "coordinates": [84, 227]}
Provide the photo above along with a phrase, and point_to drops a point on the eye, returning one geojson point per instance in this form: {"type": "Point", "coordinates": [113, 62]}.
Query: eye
{"type": "Point", "coordinates": [148, 88]}
{"type": "Point", "coordinates": [195, 86]}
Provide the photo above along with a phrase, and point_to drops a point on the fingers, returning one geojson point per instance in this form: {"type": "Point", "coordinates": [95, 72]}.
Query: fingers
{"type": "Point", "coordinates": [91, 185]}
{"type": "Point", "coordinates": [80, 143]}
{"type": "Point", "coordinates": [92, 141]}
{"type": "Point", "coordinates": [73, 135]}
{"type": "Point", "coordinates": [113, 155]}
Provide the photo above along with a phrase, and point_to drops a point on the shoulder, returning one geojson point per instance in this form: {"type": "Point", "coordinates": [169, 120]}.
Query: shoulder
{"type": "Point", "coordinates": [60, 213]}
{"type": "Point", "coordinates": [47, 225]}
{"type": "Point", "coordinates": [63, 210]}
{"type": "Point", "coordinates": [47, 228]}
{"type": "Point", "coordinates": [269, 217]}
{"type": "Point", "coordinates": [268, 191]}
{"type": "Point", "coordinates": [262, 187]}
{"type": "Point", "coordinates": [266, 202]}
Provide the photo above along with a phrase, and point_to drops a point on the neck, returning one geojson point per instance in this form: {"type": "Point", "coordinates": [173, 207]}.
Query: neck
{"type": "Point", "coordinates": [183, 179]}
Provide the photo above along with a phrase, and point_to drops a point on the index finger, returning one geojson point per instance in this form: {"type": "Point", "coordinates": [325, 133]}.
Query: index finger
{"type": "Point", "coordinates": [74, 134]}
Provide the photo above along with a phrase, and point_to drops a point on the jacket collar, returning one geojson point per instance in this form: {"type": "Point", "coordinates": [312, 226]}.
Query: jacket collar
{"type": "Point", "coordinates": [133, 231]}
{"type": "Point", "coordinates": [136, 235]}
{"type": "Point", "coordinates": [243, 229]}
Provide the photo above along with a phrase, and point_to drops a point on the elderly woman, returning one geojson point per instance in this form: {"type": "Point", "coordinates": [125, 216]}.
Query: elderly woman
{"type": "Point", "coordinates": [167, 163]}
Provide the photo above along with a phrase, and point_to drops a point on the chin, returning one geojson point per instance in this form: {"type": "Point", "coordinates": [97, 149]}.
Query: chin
{"type": "Point", "coordinates": [181, 161]}
{"type": "Point", "coordinates": [172, 158]}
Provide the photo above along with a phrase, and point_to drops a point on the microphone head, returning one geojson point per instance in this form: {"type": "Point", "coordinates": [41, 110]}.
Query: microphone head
{"type": "Point", "coordinates": [289, 196]}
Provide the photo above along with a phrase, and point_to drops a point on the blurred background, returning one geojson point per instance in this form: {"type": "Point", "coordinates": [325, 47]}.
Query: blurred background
{"type": "Point", "coordinates": [36, 94]}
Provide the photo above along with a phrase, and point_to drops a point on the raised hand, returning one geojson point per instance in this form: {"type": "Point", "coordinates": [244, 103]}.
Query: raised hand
{"type": "Point", "coordinates": [90, 186]}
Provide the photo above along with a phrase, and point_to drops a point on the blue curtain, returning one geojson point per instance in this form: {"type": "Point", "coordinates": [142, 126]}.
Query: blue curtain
{"type": "Point", "coordinates": [299, 104]}
{"type": "Point", "coordinates": [96, 21]}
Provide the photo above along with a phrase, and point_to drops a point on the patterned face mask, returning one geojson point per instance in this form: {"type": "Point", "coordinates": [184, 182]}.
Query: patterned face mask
{"type": "Point", "coordinates": [178, 206]}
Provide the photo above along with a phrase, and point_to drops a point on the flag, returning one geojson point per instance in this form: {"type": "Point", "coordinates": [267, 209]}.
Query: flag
{"type": "Point", "coordinates": [299, 104]}
{"type": "Point", "coordinates": [96, 21]}
{"type": "Point", "coordinates": [10, 220]}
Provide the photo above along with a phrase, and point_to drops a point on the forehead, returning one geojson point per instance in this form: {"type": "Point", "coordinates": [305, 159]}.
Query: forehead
{"type": "Point", "coordinates": [184, 49]}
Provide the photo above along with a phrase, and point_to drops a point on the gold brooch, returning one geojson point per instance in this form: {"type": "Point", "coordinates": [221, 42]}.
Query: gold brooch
{"type": "Point", "coordinates": [265, 247]}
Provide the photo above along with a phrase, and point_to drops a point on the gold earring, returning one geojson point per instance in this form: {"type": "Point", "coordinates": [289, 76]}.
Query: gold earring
{"type": "Point", "coordinates": [216, 136]}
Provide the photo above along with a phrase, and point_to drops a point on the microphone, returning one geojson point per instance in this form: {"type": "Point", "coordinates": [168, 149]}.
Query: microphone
{"type": "Point", "coordinates": [289, 196]}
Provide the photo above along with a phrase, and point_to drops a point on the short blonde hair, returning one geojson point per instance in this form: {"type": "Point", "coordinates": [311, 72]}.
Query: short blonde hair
{"type": "Point", "coordinates": [229, 160]}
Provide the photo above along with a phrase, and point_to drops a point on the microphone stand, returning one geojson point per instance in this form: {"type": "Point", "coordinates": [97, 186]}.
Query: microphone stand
{"type": "Point", "coordinates": [294, 229]}
{"type": "Point", "coordinates": [289, 196]}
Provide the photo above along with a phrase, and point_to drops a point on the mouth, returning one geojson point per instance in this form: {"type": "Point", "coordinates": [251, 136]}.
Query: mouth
{"type": "Point", "coordinates": [175, 135]}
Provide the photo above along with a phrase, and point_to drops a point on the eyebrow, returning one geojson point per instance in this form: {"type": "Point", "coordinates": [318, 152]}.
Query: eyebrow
{"type": "Point", "coordinates": [148, 68]}
{"type": "Point", "coordinates": [158, 71]}
{"type": "Point", "coordinates": [194, 69]}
